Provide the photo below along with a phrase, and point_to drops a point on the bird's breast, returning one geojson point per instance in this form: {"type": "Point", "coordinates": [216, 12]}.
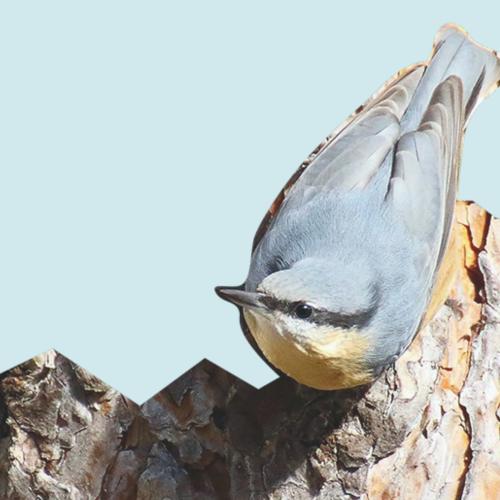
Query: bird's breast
{"type": "Point", "coordinates": [334, 359]}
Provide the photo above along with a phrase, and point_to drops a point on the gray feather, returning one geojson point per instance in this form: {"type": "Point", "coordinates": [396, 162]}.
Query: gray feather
{"type": "Point", "coordinates": [353, 157]}
{"type": "Point", "coordinates": [423, 183]}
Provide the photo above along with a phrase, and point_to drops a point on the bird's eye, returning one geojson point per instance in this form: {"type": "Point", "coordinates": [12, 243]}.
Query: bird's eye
{"type": "Point", "coordinates": [303, 311]}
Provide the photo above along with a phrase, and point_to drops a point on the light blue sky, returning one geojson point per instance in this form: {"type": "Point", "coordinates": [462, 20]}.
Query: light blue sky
{"type": "Point", "coordinates": [141, 144]}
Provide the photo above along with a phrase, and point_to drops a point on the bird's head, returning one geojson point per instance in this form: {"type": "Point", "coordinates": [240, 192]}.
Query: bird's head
{"type": "Point", "coordinates": [313, 320]}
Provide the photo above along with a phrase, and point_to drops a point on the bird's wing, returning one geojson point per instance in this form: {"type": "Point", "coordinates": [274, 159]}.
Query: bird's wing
{"type": "Point", "coordinates": [423, 183]}
{"type": "Point", "coordinates": [351, 159]}
{"type": "Point", "coordinates": [350, 156]}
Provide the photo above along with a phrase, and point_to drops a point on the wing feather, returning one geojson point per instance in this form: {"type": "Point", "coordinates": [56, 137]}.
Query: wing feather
{"type": "Point", "coordinates": [423, 184]}
{"type": "Point", "coordinates": [391, 99]}
{"type": "Point", "coordinates": [354, 155]}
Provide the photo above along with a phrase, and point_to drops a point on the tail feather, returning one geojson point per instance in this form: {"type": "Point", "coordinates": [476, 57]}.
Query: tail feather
{"type": "Point", "coordinates": [455, 53]}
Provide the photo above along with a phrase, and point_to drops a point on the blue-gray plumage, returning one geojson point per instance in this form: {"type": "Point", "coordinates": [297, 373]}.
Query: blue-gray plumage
{"type": "Point", "coordinates": [342, 276]}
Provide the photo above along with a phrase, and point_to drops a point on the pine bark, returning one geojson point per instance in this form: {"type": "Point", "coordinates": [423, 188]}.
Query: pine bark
{"type": "Point", "coordinates": [427, 429]}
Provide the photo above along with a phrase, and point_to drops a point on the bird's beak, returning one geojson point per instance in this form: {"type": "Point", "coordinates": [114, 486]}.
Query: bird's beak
{"type": "Point", "coordinates": [240, 297]}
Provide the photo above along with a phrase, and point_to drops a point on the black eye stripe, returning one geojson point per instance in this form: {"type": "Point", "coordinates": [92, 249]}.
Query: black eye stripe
{"type": "Point", "coordinates": [321, 316]}
{"type": "Point", "coordinates": [361, 319]}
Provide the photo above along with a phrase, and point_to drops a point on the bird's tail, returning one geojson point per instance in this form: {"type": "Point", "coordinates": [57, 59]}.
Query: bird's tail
{"type": "Point", "coordinates": [455, 53]}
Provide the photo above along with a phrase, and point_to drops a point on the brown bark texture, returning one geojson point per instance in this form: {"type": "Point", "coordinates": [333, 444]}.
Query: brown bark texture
{"type": "Point", "coordinates": [428, 428]}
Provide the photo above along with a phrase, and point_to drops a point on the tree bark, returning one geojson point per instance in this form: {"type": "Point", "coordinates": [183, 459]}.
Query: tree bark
{"type": "Point", "coordinates": [427, 429]}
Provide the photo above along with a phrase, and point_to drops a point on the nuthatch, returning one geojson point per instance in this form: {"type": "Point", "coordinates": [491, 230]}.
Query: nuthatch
{"type": "Point", "coordinates": [355, 255]}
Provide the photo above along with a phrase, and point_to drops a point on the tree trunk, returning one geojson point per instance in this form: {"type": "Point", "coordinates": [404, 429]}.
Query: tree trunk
{"type": "Point", "coordinates": [428, 428]}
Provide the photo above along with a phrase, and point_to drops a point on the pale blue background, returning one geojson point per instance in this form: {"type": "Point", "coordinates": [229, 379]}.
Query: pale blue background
{"type": "Point", "coordinates": [142, 142]}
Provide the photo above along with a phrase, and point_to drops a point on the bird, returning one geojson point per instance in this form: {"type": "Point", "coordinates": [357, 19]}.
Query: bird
{"type": "Point", "coordinates": [355, 255]}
